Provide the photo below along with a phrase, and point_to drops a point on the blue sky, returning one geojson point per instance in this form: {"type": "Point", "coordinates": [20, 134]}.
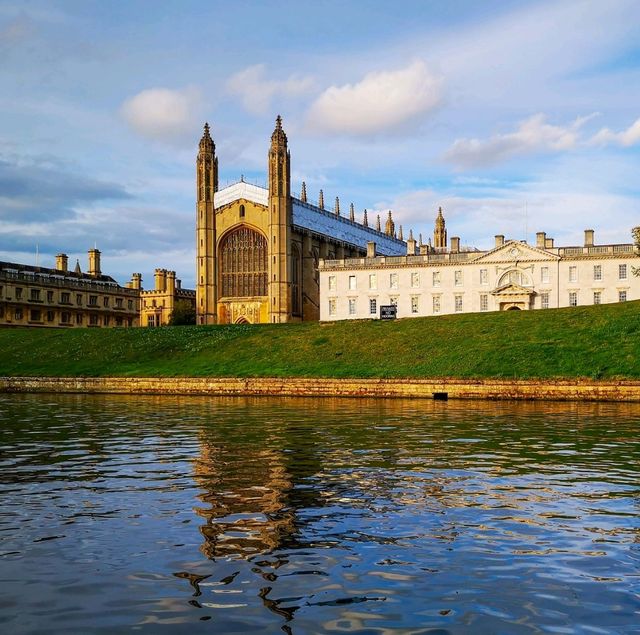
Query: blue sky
{"type": "Point", "coordinates": [515, 117]}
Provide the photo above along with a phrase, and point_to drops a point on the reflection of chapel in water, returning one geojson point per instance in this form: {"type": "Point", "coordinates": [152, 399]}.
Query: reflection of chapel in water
{"type": "Point", "coordinates": [248, 499]}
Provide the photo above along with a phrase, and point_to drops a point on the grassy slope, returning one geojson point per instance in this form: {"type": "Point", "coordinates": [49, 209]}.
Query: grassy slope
{"type": "Point", "coordinates": [599, 341]}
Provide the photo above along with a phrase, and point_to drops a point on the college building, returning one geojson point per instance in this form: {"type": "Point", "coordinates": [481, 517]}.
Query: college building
{"type": "Point", "coordinates": [440, 278]}
{"type": "Point", "coordinates": [157, 304]}
{"type": "Point", "coordinates": [43, 297]}
{"type": "Point", "coordinates": [258, 248]}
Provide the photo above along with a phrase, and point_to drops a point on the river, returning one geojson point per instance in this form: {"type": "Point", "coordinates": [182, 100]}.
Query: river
{"type": "Point", "coordinates": [298, 516]}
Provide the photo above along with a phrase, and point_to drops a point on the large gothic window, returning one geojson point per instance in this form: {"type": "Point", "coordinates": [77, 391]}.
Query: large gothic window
{"type": "Point", "coordinates": [243, 260]}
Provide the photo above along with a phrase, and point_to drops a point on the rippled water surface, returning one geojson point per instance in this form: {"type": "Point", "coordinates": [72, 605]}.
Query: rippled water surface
{"type": "Point", "coordinates": [189, 515]}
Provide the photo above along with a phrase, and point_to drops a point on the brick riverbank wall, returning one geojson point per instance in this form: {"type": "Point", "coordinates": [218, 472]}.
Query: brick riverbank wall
{"type": "Point", "coordinates": [527, 389]}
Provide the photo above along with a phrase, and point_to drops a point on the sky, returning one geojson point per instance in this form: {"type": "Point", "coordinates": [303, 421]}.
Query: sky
{"type": "Point", "coordinates": [515, 117]}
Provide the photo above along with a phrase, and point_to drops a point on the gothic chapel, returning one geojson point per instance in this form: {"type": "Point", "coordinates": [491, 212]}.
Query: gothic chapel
{"type": "Point", "coordinates": [258, 248]}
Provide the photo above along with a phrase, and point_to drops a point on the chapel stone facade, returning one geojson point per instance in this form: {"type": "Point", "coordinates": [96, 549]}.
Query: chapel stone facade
{"type": "Point", "coordinates": [258, 248]}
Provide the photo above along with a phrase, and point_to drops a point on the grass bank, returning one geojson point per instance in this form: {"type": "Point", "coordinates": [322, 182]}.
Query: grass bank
{"type": "Point", "coordinates": [594, 342]}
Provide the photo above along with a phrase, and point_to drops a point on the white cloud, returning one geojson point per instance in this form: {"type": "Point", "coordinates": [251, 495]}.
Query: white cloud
{"type": "Point", "coordinates": [626, 138]}
{"type": "Point", "coordinates": [381, 101]}
{"type": "Point", "coordinates": [256, 92]}
{"type": "Point", "coordinates": [533, 135]}
{"type": "Point", "coordinates": [161, 113]}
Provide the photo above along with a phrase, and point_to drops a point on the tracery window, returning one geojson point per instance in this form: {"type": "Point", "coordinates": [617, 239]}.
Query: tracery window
{"type": "Point", "coordinates": [243, 256]}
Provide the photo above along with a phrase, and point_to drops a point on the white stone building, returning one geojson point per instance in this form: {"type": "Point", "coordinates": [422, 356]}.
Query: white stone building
{"type": "Point", "coordinates": [512, 276]}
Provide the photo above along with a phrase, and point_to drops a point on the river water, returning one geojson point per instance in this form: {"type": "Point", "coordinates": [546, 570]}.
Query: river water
{"type": "Point", "coordinates": [212, 515]}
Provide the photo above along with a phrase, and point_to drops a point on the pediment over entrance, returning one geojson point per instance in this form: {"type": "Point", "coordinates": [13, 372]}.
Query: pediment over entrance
{"type": "Point", "coordinates": [517, 251]}
{"type": "Point", "coordinates": [512, 290]}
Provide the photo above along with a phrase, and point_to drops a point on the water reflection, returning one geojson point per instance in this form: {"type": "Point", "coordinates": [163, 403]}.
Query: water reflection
{"type": "Point", "coordinates": [308, 516]}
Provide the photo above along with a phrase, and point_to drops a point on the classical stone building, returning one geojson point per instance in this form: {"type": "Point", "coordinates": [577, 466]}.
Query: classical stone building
{"type": "Point", "coordinates": [436, 279]}
{"type": "Point", "coordinates": [157, 304]}
{"type": "Point", "coordinates": [43, 297]}
{"type": "Point", "coordinates": [258, 248]}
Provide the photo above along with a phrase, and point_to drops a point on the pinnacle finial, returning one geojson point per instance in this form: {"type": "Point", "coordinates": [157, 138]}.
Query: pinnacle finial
{"type": "Point", "coordinates": [303, 194]}
{"type": "Point", "coordinates": [352, 213]}
{"type": "Point", "coordinates": [420, 240]}
{"type": "Point", "coordinates": [337, 206]}
{"type": "Point", "coordinates": [411, 234]}
{"type": "Point", "coordinates": [321, 200]}
{"type": "Point", "coordinates": [378, 227]}
{"type": "Point", "coordinates": [365, 220]}
{"type": "Point", "coordinates": [279, 137]}
{"type": "Point", "coordinates": [206, 142]}
{"type": "Point", "coordinates": [400, 233]}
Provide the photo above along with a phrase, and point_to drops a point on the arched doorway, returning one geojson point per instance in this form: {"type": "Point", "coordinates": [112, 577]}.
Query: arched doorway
{"type": "Point", "coordinates": [242, 320]}
{"type": "Point", "coordinates": [514, 308]}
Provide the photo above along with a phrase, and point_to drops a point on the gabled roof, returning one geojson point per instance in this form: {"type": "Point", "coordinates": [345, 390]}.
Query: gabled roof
{"type": "Point", "coordinates": [516, 251]}
{"type": "Point", "coordinates": [247, 191]}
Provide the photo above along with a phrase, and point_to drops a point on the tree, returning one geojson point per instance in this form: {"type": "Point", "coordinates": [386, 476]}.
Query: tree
{"type": "Point", "coordinates": [635, 232]}
{"type": "Point", "coordinates": [184, 313]}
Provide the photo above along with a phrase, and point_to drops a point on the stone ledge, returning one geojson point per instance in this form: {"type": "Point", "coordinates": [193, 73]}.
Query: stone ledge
{"type": "Point", "coordinates": [446, 388]}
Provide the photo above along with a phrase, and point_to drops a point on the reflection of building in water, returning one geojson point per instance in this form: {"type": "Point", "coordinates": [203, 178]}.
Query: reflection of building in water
{"type": "Point", "coordinates": [245, 499]}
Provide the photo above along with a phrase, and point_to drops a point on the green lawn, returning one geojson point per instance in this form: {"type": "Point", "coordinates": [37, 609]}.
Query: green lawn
{"type": "Point", "coordinates": [596, 342]}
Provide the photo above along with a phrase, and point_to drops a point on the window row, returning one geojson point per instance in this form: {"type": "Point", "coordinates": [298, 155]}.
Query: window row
{"type": "Point", "coordinates": [65, 297]}
{"type": "Point", "coordinates": [597, 273]}
{"type": "Point", "coordinates": [65, 318]}
{"type": "Point", "coordinates": [514, 277]}
{"type": "Point", "coordinates": [458, 302]}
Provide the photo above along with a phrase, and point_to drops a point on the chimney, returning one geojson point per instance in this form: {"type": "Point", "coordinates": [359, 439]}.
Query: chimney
{"type": "Point", "coordinates": [94, 263]}
{"type": "Point", "coordinates": [136, 281]}
{"type": "Point", "coordinates": [178, 283]}
{"type": "Point", "coordinates": [541, 240]}
{"type": "Point", "coordinates": [171, 282]}
{"type": "Point", "coordinates": [548, 243]}
{"type": "Point", "coordinates": [62, 262]}
{"type": "Point", "coordinates": [411, 245]}
{"type": "Point", "coordinates": [161, 279]}
{"type": "Point", "coordinates": [371, 249]}
{"type": "Point", "coordinates": [455, 244]}
{"type": "Point", "coordinates": [499, 240]}
{"type": "Point", "coordinates": [588, 237]}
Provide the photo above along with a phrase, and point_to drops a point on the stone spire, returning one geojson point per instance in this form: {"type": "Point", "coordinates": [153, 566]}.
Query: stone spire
{"type": "Point", "coordinates": [206, 142]}
{"type": "Point", "coordinates": [365, 220]}
{"type": "Point", "coordinates": [420, 240]}
{"type": "Point", "coordinates": [378, 228]}
{"type": "Point", "coordinates": [303, 194]}
{"type": "Point", "coordinates": [400, 233]}
{"type": "Point", "coordinates": [279, 137]}
{"type": "Point", "coordinates": [411, 234]}
{"type": "Point", "coordinates": [77, 269]}
{"type": "Point", "coordinates": [440, 231]}
{"type": "Point", "coordinates": [390, 226]}
{"type": "Point", "coordinates": [337, 206]}
{"type": "Point", "coordinates": [352, 213]}
{"type": "Point", "coordinates": [321, 200]}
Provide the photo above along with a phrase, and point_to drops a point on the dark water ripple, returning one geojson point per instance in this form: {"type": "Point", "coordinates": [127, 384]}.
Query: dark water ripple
{"type": "Point", "coordinates": [327, 516]}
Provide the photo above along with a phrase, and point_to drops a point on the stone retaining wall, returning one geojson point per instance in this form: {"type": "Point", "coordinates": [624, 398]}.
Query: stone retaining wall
{"type": "Point", "coordinates": [576, 390]}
